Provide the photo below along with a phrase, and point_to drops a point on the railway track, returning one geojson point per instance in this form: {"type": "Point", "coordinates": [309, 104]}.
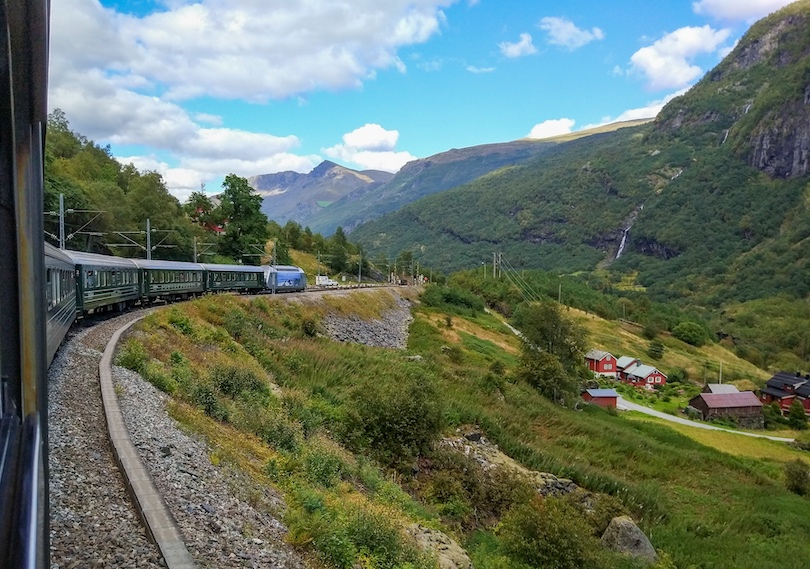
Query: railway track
{"type": "Point", "coordinates": [94, 521]}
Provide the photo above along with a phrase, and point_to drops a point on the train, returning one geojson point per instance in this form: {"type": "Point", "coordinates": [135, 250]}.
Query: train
{"type": "Point", "coordinates": [78, 284]}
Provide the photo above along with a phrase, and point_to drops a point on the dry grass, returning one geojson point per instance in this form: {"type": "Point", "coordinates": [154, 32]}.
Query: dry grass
{"type": "Point", "coordinates": [737, 445]}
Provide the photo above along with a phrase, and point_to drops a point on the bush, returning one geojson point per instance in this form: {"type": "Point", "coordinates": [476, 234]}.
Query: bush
{"type": "Point", "coordinates": [204, 397]}
{"type": "Point", "coordinates": [690, 332]}
{"type": "Point", "coordinates": [156, 375]}
{"type": "Point", "coordinates": [796, 418]}
{"type": "Point", "coordinates": [181, 322]}
{"type": "Point", "coordinates": [396, 420]}
{"type": "Point", "coordinates": [232, 381]}
{"type": "Point", "coordinates": [655, 350]}
{"type": "Point", "coordinates": [453, 299]}
{"type": "Point", "coordinates": [133, 356]}
{"type": "Point", "coordinates": [548, 532]}
{"type": "Point", "coordinates": [797, 477]}
{"type": "Point", "coordinates": [324, 466]}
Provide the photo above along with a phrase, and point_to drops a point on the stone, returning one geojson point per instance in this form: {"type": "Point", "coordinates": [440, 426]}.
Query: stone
{"type": "Point", "coordinates": [624, 536]}
{"type": "Point", "coordinates": [449, 554]}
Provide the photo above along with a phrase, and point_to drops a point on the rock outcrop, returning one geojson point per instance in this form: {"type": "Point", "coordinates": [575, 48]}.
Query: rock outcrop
{"type": "Point", "coordinates": [449, 554]}
{"type": "Point", "coordinates": [624, 536]}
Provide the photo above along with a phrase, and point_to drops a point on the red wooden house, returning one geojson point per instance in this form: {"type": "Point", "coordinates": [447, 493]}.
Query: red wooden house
{"type": "Point", "coordinates": [601, 363]}
{"type": "Point", "coordinates": [784, 388]}
{"type": "Point", "coordinates": [642, 375]}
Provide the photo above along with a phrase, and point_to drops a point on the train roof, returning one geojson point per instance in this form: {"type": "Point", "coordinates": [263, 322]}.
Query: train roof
{"type": "Point", "coordinates": [276, 268]}
{"type": "Point", "coordinates": [82, 258]}
{"type": "Point", "coordinates": [157, 264]}
{"type": "Point", "coordinates": [55, 253]}
{"type": "Point", "coordinates": [234, 268]}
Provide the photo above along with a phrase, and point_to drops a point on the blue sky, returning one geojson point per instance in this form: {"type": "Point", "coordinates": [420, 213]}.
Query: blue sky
{"type": "Point", "coordinates": [196, 90]}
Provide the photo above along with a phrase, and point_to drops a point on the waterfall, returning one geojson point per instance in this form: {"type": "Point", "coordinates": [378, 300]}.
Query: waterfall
{"type": "Point", "coordinates": [622, 244]}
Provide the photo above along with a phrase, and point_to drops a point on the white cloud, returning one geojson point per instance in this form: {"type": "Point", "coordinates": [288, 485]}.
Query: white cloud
{"type": "Point", "coordinates": [519, 49]}
{"type": "Point", "coordinates": [474, 69]}
{"type": "Point", "coordinates": [370, 147]}
{"type": "Point", "coordinates": [563, 32]}
{"type": "Point", "coordinates": [552, 127]}
{"type": "Point", "coordinates": [667, 62]}
{"type": "Point", "coordinates": [118, 76]}
{"type": "Point", "coordinates": [738, 10]}
{"type": "Point", "coordinates": [648, 111]}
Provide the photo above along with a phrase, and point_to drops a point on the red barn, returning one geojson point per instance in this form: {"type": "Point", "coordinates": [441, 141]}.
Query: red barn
{"type": "Point", "coordinates": [601, 363]}
{"type": "Point", "coordinates": [744, 407]}
{"type": "Point", "coordinates": [602, 397]}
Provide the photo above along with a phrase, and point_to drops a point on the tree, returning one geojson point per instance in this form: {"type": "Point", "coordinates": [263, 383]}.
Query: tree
{"type": "Point", "coordinates": [552, 358]}
{"type": "Point", "coordinates": [796, 417]}
{"type": "Point", "coordinates": [198, 208]}
{"type": "Point", "coordinates": [690, 332]}
{"type": "Point", "coordinates": [655, 350]}
{"type": "Point", "coordinates": [544, 326]}
{"type": "Point", "coordinates": [245, 224]}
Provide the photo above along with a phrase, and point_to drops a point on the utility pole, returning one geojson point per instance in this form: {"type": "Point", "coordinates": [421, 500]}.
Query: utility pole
{"type": "Point", "coordinates": [148, 239]}
{"type": "Point", "coordinates": [359, 269]}
{"type": "Point", "coordinates": [61, 221]}
{"type": "Point", "coordinates": [494, 261]}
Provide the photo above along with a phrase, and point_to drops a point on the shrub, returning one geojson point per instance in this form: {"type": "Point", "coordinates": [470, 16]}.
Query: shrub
{"type": "Point", "coordinates": [133, 356]}
{"type": "Point", "coordinates": [548, 533]}
{"type": "Point", "coordinates": [324, 466]}
{"type": "Point", "coordinates": [204, 397]}
{"type": "Point", "coordinates": [797, 477]}
{"type": "Point", "coordinates": [156, 375]}
{"type": "Point", "coordinates": [796, 418]}
{"type": "Point", "coordinates": [233, 380]}
{"type": "Point", "coordinates": [309, 327]}
{"type": "Point", "coordinates": [690, 332]}
{"type": "Point", "coordinates": [181, 322]}
{"type": "Point", "coordinates": [655, 350]}
{"type": "Point", "coordinates": [396, 420]}
{"type": "Point", "coordinates": [453, 299]}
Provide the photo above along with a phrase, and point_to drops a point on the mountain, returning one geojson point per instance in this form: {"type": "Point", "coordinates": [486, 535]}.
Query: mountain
{"type": "Point", "coordinates": [420, 178]}
{"type": "Point", "coordinates": [290, 195]}
{"type": "Point", "coordinates": [710, 203]}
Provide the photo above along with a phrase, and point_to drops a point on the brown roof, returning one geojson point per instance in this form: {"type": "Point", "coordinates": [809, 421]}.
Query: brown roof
{"type": "Point", "coordinates": [726, 400]}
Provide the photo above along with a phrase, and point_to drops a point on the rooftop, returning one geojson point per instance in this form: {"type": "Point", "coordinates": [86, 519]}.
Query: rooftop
{"type": "Point", "coordinates": [722, 388]}
{"type": "Point", "coordinates": [602, 392]}
{"type": "Point", "coordinates": [726, 400]}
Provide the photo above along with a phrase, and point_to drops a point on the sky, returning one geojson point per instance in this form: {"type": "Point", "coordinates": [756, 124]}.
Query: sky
{"type": "Point", "coordinates": [196, 90]}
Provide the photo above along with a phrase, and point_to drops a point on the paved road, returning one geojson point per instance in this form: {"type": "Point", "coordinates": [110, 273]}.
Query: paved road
{"type": "Point", "coordinates": [624, 405]}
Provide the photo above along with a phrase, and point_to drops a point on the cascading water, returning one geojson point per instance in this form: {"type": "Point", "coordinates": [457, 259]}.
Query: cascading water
{"type": "Point", "coordinates": [622, 244]}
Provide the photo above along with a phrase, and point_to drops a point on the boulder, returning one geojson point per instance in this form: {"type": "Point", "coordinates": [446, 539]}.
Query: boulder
{"type": "Point", "coordinates": [449, 554]}
{"type": "Point", "coordinates": [624, 536]}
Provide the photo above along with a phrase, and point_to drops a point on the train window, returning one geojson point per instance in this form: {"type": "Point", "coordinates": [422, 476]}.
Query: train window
{"type": "Point", "coordinates": [48, 294]}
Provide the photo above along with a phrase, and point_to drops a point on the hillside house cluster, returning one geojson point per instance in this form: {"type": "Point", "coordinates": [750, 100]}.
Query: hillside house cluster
{"type": "Point", "coordinates": [625, 368]}
{"type": "Point", "coordinates": [784, 388]}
